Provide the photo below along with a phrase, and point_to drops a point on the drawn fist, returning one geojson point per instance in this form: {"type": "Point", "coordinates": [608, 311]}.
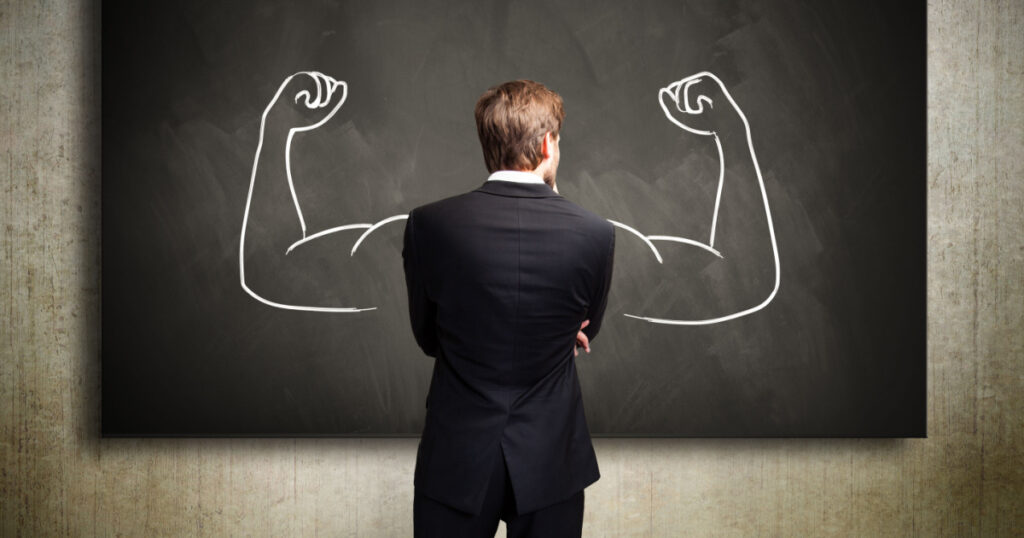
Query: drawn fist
{"type": "Point", "coordinates": [307, 99]}
{"type": "Point", "coordinates": [700, 104]}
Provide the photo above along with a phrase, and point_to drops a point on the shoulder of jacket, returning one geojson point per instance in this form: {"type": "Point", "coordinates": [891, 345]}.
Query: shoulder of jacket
{"type": "Point", "coordinates": [425, 211]}
{"type": "Point", "coordinates": [595, 221]}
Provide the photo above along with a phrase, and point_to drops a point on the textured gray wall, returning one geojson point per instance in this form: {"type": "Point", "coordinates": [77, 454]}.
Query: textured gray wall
{"type": "Point", "coordinates": [58, 477]}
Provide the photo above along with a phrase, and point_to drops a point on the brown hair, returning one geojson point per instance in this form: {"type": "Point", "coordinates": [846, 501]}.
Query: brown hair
{"type": "Point", "coordinates": [511, 119]}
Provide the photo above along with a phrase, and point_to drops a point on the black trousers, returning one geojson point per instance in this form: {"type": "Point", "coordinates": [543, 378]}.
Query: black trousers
{"type": "Point", "coordinates": [435, 519]}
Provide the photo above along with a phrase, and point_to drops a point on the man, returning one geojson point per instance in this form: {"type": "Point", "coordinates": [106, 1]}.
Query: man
{"type": "Point", "coordinates": [503, 282]}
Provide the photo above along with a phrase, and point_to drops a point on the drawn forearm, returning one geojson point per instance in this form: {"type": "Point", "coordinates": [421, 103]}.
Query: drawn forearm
{"type": "Point", "coordinates": [740, 195]}
{"type": "Point", "coordinates": [272, 219]}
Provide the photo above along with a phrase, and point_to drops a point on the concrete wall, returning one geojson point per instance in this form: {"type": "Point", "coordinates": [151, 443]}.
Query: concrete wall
{"type": "Point", "coordinates": [58, 477]}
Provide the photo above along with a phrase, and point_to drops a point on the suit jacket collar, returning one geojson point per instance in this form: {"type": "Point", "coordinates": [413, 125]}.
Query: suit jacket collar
{"type": "Point", "coordinates": [521, 190]}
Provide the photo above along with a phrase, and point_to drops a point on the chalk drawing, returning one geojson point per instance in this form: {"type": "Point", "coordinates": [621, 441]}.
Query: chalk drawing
{"type": "Point", "coordinates": [694, 108]}
{"type": "Point", "coordinates": [325, 92]}
{"type": "Point", "coordinates": [326, 88]}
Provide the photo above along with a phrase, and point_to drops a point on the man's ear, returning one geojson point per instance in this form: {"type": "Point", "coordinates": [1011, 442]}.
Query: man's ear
{"type": "Point", "coordinates": [548, 145]}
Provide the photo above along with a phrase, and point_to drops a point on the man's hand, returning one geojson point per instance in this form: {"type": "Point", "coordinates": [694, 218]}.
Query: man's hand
{"type": "Point", "coordinates": [581, 340]}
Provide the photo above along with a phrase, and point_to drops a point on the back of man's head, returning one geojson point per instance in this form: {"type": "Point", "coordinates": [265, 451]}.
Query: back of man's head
{"type": "Point", "coordinates": [512, 118]}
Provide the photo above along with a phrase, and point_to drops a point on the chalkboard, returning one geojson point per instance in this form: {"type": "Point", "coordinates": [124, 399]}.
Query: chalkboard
{"type": "Point", "coordinates": [779, 294]}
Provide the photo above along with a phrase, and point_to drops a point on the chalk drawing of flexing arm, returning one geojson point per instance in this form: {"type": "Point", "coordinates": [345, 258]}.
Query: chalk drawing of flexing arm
{"type": "Point", "coordinates": [308, 99]}
{"type": "Point", "coordinates": [684, 104]}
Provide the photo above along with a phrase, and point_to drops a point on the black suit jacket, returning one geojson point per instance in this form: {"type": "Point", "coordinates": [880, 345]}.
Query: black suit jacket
{"type": "Point", "coordinates": [499, 280]}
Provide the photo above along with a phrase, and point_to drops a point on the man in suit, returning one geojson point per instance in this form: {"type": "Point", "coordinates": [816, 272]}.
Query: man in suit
{"type": "Point", "coordinates": [504, 282]}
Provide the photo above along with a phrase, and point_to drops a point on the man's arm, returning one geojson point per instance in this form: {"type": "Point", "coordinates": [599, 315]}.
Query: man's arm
{"type": "Point", "coordinates": [422, 310]}
{"type": "Point", "coordinates": [596, 312]}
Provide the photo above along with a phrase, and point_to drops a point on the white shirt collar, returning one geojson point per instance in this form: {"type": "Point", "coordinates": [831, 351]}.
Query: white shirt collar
{"type": "Point", "coordinates": [515, 175]}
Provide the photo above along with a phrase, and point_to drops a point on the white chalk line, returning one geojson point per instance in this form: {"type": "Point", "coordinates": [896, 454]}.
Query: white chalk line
{"type": "Point", "coordinates": [374, 227]}
{"type": "Point", "coordinates": [643, 237]}
{"type": "Point", "coordinates": [330, 85]}
{"type": "Point", "coordinates": [323, 97]}
{"type": "Point", "coordinates": [701, 100]}
{"type": "Point", "coordinates": [708, 248]}
{"type": "Point", "coordinates": [326, 232]}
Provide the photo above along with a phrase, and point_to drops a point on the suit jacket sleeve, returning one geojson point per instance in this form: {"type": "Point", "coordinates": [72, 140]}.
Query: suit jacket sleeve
{"type": "Point", "coordinates": [422, 310]}
{"type": "Point", "coordinates": [596, 312]}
